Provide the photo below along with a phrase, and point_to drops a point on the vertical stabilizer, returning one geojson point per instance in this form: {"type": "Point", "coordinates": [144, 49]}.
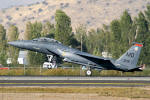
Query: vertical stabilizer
{"type": "Point", "coordinates": [130, 58]}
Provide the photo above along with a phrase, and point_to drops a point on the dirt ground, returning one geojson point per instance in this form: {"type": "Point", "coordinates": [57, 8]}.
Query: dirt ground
{"type": "Point", "coordinates": [60, 96]}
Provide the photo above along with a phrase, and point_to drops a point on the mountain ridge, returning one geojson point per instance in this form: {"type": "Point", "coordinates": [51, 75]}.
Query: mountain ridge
{"type": "Point", "coordinates": [91, 13]}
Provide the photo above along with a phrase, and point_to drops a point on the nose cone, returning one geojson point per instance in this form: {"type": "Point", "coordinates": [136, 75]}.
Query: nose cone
{"type": "Point", "coordinates": [13, 43]}
{"type": "Point", "coordinates": [18, 43]}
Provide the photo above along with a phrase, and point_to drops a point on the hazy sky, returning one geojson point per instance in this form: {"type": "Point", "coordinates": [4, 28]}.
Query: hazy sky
{"type": "Point", "coordinates": [10, 3]}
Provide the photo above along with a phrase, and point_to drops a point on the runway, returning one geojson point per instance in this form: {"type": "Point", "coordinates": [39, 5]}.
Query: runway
{"type": "Point", "coordinates": [74, 81]}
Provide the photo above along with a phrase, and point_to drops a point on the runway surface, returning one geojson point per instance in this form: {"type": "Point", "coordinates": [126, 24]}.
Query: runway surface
{"type": "Point", "coordinates": [74, 81]}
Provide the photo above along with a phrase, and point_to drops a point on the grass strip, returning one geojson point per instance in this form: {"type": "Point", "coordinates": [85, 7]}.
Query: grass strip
{"type": "Point", "coordinates": [68, 72]}
{"type": "Point", "coordinates": [134, 92]}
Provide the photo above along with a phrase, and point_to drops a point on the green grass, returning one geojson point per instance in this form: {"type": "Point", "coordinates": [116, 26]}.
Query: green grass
{"type": "Point", "coordinates": [68, 72]}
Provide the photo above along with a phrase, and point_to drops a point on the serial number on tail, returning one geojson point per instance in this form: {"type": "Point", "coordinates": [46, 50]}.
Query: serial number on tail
{"type": "Point", "coordinates": [126, 61]}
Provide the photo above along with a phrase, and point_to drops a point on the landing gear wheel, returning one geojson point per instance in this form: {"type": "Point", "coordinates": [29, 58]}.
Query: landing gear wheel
{"type": "Point", "coordinates": [88, 73]}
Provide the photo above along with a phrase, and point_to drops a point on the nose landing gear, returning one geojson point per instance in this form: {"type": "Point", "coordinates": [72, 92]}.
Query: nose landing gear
{"type": "Point", "coordinates": [52, 61]}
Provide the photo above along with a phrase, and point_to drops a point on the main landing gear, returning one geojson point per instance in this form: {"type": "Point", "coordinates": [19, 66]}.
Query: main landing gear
{"type": "Point", "coordinates": [88, 72]}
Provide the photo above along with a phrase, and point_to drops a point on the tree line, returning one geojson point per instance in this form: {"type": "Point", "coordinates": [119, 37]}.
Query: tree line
{"type": "Point", "coordinates": [115, 38]}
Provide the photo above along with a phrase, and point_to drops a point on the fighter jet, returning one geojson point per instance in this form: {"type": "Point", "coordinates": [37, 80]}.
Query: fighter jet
{"type": "Point", "coordinates": [57, 51]}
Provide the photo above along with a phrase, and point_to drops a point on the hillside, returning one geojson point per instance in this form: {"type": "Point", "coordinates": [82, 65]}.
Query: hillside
{"type": "Point", "coordinates": [92, 13]}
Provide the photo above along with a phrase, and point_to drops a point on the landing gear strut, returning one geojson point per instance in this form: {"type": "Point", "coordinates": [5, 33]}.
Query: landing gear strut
{"type": "Point", "coordinates": [52, 61]}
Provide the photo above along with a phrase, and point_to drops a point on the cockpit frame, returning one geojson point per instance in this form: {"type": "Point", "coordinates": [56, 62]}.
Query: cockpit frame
{"type": "Point", "coordinates": [44, 39]}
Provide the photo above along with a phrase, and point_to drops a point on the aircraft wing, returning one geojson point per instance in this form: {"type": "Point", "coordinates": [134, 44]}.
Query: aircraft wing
{"type": "Point", "coordinates": [104, 62]}
{"type": "Point", "coordinates": [53, 53]}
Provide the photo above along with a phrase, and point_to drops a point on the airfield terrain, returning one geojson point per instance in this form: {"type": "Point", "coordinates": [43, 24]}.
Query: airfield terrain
{"type": "Point", "coordinates": [61, 96]}
{"type": "Point", "coordinates": [74, 88]}
{"type": "Point", "coordinates": [92, 13]}
{"type": "Point", "coordinates": [74, 93]}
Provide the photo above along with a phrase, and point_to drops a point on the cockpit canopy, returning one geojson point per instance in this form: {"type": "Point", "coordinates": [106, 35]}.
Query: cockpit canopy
{"type": "Point", "coordinates": [44, 39]}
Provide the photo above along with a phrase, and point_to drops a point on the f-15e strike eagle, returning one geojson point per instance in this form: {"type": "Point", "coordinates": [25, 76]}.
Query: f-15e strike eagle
{"type": "Point", "coordinates": [57, 51]}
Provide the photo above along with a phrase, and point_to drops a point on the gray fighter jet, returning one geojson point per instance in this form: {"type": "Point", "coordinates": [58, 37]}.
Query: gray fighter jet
{"type": "Point", "coordinates": [57, 51]}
